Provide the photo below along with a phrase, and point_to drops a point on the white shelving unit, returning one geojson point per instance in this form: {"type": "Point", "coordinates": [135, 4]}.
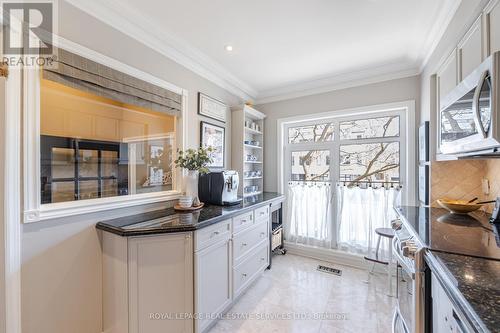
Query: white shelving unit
{"type": "Point", "coordinates": [247, 142]}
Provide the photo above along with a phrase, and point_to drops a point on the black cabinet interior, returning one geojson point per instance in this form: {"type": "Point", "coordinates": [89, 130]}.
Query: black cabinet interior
{"type": "Point", "coordinates": [76, 169]}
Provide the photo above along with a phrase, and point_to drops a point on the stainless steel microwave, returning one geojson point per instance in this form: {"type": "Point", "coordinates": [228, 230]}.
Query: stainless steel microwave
{"type": "Point", "coordinates": [469, 114]}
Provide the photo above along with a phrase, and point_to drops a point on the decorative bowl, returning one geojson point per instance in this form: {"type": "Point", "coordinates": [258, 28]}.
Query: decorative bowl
{"type": "Point", "coordinates": [458, 206]}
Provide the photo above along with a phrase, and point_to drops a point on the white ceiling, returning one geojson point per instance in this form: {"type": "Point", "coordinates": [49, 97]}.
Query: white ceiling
{"type": "Point", "coordinates": [285, 47]}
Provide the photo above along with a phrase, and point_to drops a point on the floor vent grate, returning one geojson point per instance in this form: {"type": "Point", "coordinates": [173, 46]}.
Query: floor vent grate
{"type": "Point", "coordinates": [330, 270]}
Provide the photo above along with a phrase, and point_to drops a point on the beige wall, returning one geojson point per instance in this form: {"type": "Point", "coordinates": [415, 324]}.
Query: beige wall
{"type": "Point", "coordinates": [61, 273]}
{"type": "Point", "coordinates": [372, 94]}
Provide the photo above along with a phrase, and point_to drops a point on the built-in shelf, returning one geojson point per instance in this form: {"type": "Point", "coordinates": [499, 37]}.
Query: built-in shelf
{"type": "Point", "coordinates": [251, 194]}
{"type": "Point", "coordinates": [251, 130]}
{"type": "Point", "coordinates": [252, 146]}
{"type": "Point", "coordinates": [248, 142]}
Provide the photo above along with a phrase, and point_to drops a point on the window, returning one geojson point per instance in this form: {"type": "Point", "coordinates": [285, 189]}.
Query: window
{"type": "Point", "coordinates": [311, 133]}
{"type": "Point", "coordinates": [381, 127]}
{"type": "Point", "coordinates": [95, 147]}
{"type": "Point", "coordinates": [377, 162]}
{"type": "Point", "coordinates": [312, 166]}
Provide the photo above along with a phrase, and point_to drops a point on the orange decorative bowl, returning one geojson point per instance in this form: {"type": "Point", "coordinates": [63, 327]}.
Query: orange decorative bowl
{"type": "Point", "coordinates": [458, 206]}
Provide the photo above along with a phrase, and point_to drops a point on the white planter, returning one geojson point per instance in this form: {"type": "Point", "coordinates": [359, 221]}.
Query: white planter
{"type": "Point", "coordinates": [191, 181]}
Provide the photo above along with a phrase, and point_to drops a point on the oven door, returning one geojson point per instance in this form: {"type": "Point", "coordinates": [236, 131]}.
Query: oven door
{"type": "Point", "coordinates": [404, 316]}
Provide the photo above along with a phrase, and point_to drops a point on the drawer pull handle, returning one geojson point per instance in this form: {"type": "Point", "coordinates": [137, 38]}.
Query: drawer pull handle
{"type": "Point", "coordinates": [244, 244]}
{"type": "Point", "coordinates": [216, 232]}
{"type": "Point", "coordinates": [262, 233]}
{"type": "Point", "coordinates": [262, 213]}
{"type": "Point", "coordinates": [262, 259]}
{"type": "Point", "coordinates": [243, 274]}
{"type": "Point", "coordinates": [243, 221]}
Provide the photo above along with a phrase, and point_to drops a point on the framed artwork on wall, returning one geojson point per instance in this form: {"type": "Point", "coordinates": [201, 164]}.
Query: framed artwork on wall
{"type": "Point", "coordinates": [212, 108]}
{"type": "Point", "coordinates": [423, 184]}
{"type": "Point", "coordinates": [423, 142]}
{"type": "Point", "coordinates": [213, 136]}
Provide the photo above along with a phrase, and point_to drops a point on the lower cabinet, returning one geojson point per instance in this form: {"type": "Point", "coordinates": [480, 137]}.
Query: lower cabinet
{"type": "Point", "coordinates": [213, 282]}
{"type": "Point", "coordinates": [181, 282]}
{"type": "Point", "coordinates": [148, 283]}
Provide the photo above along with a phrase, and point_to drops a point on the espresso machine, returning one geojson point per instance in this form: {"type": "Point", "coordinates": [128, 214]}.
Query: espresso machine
{"type": "Point", "coordinates": [219, 188]}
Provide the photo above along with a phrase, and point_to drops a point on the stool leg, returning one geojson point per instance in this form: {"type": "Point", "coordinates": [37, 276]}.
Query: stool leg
{"type": "Point", "coordinates": [370, 271]}
{"type": "Point", "coordinates": [389, 269]}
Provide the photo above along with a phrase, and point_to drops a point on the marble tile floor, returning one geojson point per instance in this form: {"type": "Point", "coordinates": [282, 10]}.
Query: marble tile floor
{"type": "Point", "coordinates": [294, 297]}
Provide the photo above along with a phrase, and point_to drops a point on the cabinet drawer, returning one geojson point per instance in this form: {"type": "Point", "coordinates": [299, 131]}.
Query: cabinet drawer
{"type": "Point", "coordinates": [261, 213]}
{"type": "Point", "coordinates": [245, 241]}
{"type": "Point", "coordinates": [241, 222]}
{"type": "Point", "coordinates": [255, 263]}
{"type": "Point", "coordinates": [212, 234]}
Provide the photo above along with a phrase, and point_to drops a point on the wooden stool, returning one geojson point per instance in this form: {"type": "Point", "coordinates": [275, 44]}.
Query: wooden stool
{"type": "Point", "coordinates": [389, 234]}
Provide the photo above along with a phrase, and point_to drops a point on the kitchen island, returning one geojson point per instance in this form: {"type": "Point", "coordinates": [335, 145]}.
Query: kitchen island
{"type": "Point", "coordinates": [169, 271]}
{"type": "Point", "coordinates": [463, 257]}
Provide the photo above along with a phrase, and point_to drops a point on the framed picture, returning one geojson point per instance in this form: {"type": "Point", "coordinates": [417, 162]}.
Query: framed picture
{"type": "Point", "coordinates": [423, 142]}
{"type": "Point", "coordinates": [213, 136]}
{"type": "Point", "coordinates": [212, 108]}
{"type": "Point", "coordinates": [423, 184]}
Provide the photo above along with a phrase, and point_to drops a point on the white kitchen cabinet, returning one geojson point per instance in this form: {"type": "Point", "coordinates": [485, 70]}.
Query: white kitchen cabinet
{"type": "Point", "coordinates": [470, 49]}
{"type": "Point", "coordinates": [447, 75]}
{"type": "Point", "coordinates": [442, 309]}
{"type": "Point", "coordinates": [147, 283]}
{"type": "Point", "coordinates": [492, 26]}
{"type": "Point", "coordinates": [213, 292]}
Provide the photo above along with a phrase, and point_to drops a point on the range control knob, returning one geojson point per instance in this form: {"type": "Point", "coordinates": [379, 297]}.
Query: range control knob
{"type": "Point", "coordinates": [396, 224]}
{"type": "Point", "coordinates": [409, 250]}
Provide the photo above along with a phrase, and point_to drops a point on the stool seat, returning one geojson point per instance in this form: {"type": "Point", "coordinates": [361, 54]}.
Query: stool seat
{"type": "Point", "coordinates": [385, 232]}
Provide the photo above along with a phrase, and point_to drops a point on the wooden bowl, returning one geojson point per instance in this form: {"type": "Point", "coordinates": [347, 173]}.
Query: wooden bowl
{"type": "Point", "coordinates": [458, 206]}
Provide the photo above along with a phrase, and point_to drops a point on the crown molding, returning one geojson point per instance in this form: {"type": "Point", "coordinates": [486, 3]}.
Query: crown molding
{"type": "Point", "coordinates": [338, 82]}
{"type": "Point", "coordinates": [441, 23]}
{"type": "Point", "coordinates": [139, 27]}
{"type": "Point", "coordinates": [131, 23]}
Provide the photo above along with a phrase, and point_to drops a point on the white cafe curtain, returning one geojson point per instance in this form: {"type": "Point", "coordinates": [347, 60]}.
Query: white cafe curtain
{"type": "Point", "coordinates": [309, 213]}
{"type": "Point", "coordinates": [360, 212]}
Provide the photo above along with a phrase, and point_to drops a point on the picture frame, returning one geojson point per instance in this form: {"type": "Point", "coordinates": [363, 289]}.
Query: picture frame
{"type": "Point", "coordinates": [423, 142]}
{"type": "Point", "coordinates": [423, 184]}
{"type": "Point", "coordinates": [212, 108]}
{"type": "Point", "coordinates": [214, 136]}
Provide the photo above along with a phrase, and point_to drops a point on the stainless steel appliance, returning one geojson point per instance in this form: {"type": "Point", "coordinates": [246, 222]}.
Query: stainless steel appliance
{"type": "Point", "coordinates": [469, 120]}
{"type": "Point", "coordinates": [409, 314]}
{"type": "Point", "coordinates": [219, 188]}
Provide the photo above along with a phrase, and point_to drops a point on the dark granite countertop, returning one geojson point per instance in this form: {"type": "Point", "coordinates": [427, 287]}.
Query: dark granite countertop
{"type": "Point", "coordinates": [464, 256]}
{"type": "Point", "coordinates": [169, 220]}
{"type": "Point", "coordinates": [473, 284]}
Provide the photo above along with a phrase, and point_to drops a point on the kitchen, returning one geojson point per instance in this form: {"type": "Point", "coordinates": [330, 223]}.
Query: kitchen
{"type": "Point", "coordinates": [328, 167]}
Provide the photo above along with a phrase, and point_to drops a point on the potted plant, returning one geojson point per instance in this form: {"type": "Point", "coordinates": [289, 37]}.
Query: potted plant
{"type": "Point", "coordinates": [196, 162]}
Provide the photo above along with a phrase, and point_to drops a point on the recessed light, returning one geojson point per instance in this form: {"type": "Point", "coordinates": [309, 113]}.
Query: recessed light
{"type": "Point", "coordinates": [228, 48]}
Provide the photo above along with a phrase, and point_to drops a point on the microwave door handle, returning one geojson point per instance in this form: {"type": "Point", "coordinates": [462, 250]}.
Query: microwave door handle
{"type": "Point", "coordinates": [475, 104]}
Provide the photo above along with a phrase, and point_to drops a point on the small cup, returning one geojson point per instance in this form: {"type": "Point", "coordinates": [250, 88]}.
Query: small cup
{"type": "Point", "coordinates": [185, 201]}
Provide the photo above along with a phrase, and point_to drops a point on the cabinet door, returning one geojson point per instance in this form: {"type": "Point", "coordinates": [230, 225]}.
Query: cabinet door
{"type": "Point", "coordinates": [442, 309]}
{"type": "Point", "coordinates": [470, 49]}
{"type": "Point", "coordinates": [213, 282]}
{"type": "Point", "coordinates": [160, 283]}
{"type": "Point", "coordinates": [492, 24]}
{"type": "Point", "coordinates": [447, 75]}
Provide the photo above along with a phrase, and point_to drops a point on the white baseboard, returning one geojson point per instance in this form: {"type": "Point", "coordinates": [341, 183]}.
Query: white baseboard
{"type": "Point", "coordinates": [333, 256]}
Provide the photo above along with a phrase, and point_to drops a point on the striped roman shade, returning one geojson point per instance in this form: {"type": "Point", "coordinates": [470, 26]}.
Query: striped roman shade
{"type": "Point", "coordinates": [81, 73]}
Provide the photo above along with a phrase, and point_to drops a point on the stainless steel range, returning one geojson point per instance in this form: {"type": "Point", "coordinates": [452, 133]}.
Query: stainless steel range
{"type": "Point", "coordinates": [409, 314]}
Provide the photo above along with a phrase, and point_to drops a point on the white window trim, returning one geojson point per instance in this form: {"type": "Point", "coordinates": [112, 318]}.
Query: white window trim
{"type": "Point", "coordinates": [409, 181]}
{"type": "Point", "coordinates": [34, 211]}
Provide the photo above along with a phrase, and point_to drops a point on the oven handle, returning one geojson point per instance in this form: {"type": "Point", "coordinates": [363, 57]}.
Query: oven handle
{"type": "Point", "coordinates": [399, 258]}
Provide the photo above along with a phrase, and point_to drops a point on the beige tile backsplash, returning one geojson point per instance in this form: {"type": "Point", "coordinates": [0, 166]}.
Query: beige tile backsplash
{"type": "Point", "coordinates": [463, 180]}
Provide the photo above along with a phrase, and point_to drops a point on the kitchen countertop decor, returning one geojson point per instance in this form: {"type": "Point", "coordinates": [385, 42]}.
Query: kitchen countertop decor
{"type": "Point", "coordinates": [168, 220]}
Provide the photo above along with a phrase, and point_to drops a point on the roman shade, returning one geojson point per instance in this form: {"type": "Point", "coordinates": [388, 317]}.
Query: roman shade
{"type": "Point", "coordinates": [84, 74]}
